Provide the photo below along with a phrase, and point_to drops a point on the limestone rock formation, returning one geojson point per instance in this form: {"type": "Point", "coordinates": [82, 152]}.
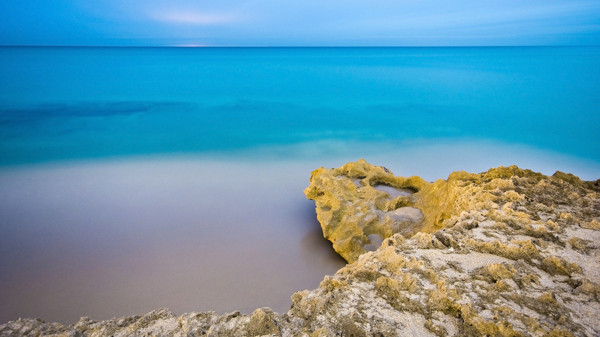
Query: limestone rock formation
{"type": "Point", "coordinates": [359, 204]}
{"type": "Point", "coordinates": [508, 252]}
{"type": "Point", "coordinates": [262, 322]}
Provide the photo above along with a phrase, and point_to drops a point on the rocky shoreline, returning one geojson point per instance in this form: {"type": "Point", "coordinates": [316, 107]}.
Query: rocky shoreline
{"type": "Point", "coordinates": [507, 252]}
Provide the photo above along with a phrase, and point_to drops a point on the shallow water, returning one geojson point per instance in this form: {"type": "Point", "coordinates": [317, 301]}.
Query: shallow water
{"type": "Point", "coordinates": [112, 239]}
{"type": "Point", "coordinates": [392, 191]}
{"type": "Point", "coordinates": [122, 237]}
{"type": "Point", "coordinates": [133, 179]}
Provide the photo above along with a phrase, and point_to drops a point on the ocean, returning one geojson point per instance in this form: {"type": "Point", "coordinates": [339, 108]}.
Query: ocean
{"type": "Point", "coordinates": [133, 179]}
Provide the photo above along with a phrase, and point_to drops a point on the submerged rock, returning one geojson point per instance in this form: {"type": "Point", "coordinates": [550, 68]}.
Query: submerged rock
{"type": "Point", "coordinates": [508, 252]}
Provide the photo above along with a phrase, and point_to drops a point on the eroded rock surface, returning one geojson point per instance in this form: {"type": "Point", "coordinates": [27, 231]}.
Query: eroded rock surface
{"type": "Point", "coordinates": [508, 252]}
{"type": "Point", "coordinates": [358, 202]}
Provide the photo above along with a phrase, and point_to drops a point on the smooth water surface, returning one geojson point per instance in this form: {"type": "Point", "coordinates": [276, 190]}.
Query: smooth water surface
{"type": "Point", "coordinates": [109, 239]}
{"type": "Point", "coordinates": [133, 179]}
{"type": "Point", "coordinates": [73, 103]}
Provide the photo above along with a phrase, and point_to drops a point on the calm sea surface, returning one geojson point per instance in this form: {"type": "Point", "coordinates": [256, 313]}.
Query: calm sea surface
{"type": "Point", "coordinates": [74, 103]}
{"type": "Point", "coordinates": [138, 178]}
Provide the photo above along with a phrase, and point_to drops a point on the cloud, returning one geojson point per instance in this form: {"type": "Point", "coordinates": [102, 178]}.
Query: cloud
{"type": "Point", "coordinates": [194, 18]}
{"type": "Point", "coordinates": [476, 17]}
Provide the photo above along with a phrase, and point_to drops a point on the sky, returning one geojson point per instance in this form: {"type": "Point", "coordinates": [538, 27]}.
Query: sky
{"type": "Point", "coordinates": [299, 22]}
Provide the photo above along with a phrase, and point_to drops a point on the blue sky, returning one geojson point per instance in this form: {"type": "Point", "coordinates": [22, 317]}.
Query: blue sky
{"type": "Point", "coordinates": [300, 23]}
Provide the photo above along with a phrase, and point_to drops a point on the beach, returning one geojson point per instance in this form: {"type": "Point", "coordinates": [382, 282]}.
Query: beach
{"type": "Point", "coordinates": [113, 238]}
{"type": "Point", "coordinates": [504, 252]}
{"type": "Point", "coordinates": [133, 179]}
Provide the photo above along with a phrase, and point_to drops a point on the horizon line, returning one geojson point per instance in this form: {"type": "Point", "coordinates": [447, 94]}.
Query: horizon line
{"type": "Point", "coordinates": [291, 46]}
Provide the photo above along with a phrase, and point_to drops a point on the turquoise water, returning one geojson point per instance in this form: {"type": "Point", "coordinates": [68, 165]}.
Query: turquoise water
{"type": "Point", "coordinates": [74, 103]}
{"type": "Point", "coordinates": [133, 179]}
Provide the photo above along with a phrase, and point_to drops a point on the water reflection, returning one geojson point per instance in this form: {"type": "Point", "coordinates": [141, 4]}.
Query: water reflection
{"type": "Point", "coordinates": [315, 248]}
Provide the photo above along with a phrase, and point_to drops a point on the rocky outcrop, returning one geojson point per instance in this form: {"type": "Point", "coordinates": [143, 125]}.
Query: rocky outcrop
{"type": "Point", "coordinates": [359, 204]}
{"type": "Point", "coordinates": [508, 252]}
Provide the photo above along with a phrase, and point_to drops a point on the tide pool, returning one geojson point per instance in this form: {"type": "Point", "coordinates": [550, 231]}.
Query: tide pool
{"type": "Point", "coordinates": [133, 179]}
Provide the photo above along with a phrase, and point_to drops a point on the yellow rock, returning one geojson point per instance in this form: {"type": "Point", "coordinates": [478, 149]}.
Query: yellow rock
{"type": "Point", "coordinates": [359, 204]}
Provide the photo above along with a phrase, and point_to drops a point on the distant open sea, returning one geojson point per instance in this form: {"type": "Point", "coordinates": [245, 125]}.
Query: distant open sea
{"type": "Point", "coordinates": [138, 178]}
{"type": "Point", "coordinates": [79, 103]}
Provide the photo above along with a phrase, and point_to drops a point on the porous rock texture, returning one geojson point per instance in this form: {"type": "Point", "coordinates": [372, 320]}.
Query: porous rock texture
{"type": "Point", "coordinates": [353, 213]}
{"type": "Point", "coordinates": [508, 252]}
